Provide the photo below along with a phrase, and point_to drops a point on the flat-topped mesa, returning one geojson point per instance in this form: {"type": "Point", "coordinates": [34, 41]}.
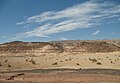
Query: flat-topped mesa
{"type": "Point", "coordinates": [69, 46]}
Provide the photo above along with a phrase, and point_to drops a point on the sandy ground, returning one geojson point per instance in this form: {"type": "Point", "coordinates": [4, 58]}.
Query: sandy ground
{"type": "Point", "coordinates": [29, 65]}
{"type": "Point", "coordinates": [64, 76]}
{"type": "Point", "coordinates": [84, 61]}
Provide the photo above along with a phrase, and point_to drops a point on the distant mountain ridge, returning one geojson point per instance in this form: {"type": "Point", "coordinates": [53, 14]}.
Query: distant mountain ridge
{"type": "Point", "coordinates": [66, 46]}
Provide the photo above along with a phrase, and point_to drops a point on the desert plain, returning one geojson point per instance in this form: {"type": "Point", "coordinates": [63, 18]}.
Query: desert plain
{"type": "Point", "coordinates": [60, 62]}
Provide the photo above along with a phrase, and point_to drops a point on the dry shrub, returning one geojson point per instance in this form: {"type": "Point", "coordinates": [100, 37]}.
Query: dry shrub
{"type": "Point", "coordinates": [77, 63]}
{"type": "Point", "coordinates": [99, 63]}
{"type": "Point", "coordinates": [0, 64]}
{"type": "Point", "coordinates": [6, 61]}
{"type": "Point", "coordinates": [32, 61]}
{"type": "Point", "coordinates": [55, 63]}
{"type": "Point", "coordinates": [9, 65]}
{"type": "Point", "coordinates": [93, 60]}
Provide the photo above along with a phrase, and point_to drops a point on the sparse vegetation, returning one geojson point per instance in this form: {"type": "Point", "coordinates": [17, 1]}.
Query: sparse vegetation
{"type": "Point", "coordinates": [66, 59]}
{"type": "Point", "coordinates": [6, 61]}
{"type": "Point", "coordinates": [55, 63]}
{"type": "Point", "coordinates": [115, 60]}
{"type": "Point", "coordinates": [99, 59]}
{"type": "Point", "coordinates": [99, 63]}
{"type": "Point", "coordinates": [9, 65]}
{"type": "Point", "coordinates": [61, 61]}
{"type": "Point", "coordinates": [93, 60]}
{"type": "Point", "coordinates": [77, 64]}
{"type": "Point", "coordinates": [118, 59]}
{"type": "Point", "coordinates": [32, 61]}
{"type": "Point", "coordinates": [111, 61]}
{"type": "Point", "coordinates": [0, 64]}
{"type": "Point", "coordinates": [26, 60]}
{"type": "Point", "coordinates": [107, 57]}
{"type": "Point", "coordinates": [70, 59]}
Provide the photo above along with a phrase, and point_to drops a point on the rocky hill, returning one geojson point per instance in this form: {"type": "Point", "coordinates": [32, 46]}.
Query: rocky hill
{"type": "Point", "coordinates": [68, 46]}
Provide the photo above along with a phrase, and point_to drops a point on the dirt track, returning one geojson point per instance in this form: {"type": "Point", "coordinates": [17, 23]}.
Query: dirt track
{"type": "Point", "coordinates": [62, 76]}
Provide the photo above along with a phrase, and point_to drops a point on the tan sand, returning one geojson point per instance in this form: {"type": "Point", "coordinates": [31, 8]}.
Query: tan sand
{"type": "Point", "coordinates": [72, 61]}
{"type": "Point", "coordinates": [56, 77]}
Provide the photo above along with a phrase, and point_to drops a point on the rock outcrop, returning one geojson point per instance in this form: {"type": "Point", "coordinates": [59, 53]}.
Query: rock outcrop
{"type": "Point", "coordinates": [68, 46]}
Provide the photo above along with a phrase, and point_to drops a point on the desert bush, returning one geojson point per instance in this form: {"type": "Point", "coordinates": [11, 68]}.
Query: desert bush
{"type": "Point", "coordinates": [32, 61]}
{"type": "Point", "coordinates": [55, 63]}
{"type": "Point", "coordinates": [107, 57]}
{"type": "Point", "coordinates": [111, 61]}
{"type": "Point", "coordinates": [26, 60]}
{"type": "Point", "coordinates": [9, 65]}
{"type": "Point", "coordinates": [115, 60]}
{"type": "Point", "coordinates": [61, 61]}
{"type": "Point", "coordinates": [6, 61]}
{"type": "Point", "coordinates": [0, 64]}
{"type": "Point", "coordinates": [99, 58]}
{"type": "Point", "coordinates": [99, 63]}
{"type": "Point", "coordinates": [93, 60]}
{"type": "Point", "coordinates": [66, 59]}
{"type": "Point", "coordinates": [77, 63]}
{"type": "Point", "coordinates": [70, 59]}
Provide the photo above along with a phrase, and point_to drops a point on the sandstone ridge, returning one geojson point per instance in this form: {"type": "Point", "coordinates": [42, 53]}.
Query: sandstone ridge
{"type": "Point", "coordinates": [67, 46]}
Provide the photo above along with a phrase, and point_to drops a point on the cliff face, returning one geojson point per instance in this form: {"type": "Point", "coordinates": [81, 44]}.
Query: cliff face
{"type": "Point", "coordinates": [68, 46]}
